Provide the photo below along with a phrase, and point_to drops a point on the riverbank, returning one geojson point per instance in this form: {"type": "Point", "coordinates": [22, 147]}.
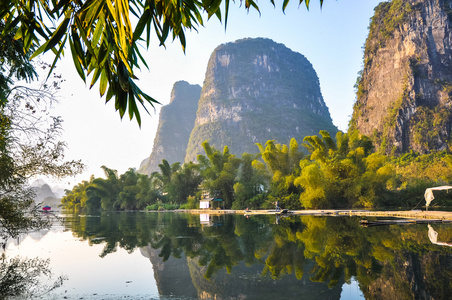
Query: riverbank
{"type": "Point", "coordinates": [406, 214]}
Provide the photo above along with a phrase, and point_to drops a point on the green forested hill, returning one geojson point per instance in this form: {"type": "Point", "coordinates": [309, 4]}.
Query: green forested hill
{"type": "Point", "coordinates": [257, 90]}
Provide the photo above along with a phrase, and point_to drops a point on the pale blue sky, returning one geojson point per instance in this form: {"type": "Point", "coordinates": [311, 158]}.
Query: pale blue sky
{"type": "Point", "coordinates": [331, 38]}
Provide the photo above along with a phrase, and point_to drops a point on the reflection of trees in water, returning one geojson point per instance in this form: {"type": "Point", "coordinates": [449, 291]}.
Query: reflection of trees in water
{"type": "Point", "coordinates": [24, 278]}
{"type": "Point", "coordinates": [329, 251]}
{"type": "Point", "coordinates": [21, 278]}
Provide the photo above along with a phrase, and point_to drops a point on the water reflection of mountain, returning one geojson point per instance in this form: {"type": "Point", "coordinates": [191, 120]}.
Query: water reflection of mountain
{"type": "Point", "coordinates": [34, 235]}
{"type": "Point", "coordinates": [247, 282]}
{"type": "Point", "coordinates": [256, 259]}
{"type": "Point", "coordinates": [413, 276]}
{"type": "Point", "coordinates": [172, 276]}
{"type": "Point", "coordinates": [182, 277]}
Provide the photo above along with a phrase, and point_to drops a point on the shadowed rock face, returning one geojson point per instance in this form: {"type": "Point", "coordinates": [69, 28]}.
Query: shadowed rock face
{"type": "Point", "coordinates": [404, 92]}
{"type": "Point", "coordinates": [257, 90]}
{"type": "Point", "coordinates": [172, 276]}
{"type": "Point", "coordinates": [412, 276]}
{"type": "Point", "coordinates": [176, 122]}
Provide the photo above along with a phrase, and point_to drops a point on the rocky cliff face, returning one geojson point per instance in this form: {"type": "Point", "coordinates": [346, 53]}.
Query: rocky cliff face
{"type": "Point", "coordinates": [175, 125]}
{"type": "Point", "coordinates": [257, 90]}
{"type": "Point", "coordinates": [404, 91]}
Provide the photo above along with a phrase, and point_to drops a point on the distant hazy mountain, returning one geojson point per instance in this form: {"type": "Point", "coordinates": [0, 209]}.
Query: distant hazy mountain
{"type": "Point", "coordinates": [175, 124]}
{"type": "Point", "coordinates": [45, 194]}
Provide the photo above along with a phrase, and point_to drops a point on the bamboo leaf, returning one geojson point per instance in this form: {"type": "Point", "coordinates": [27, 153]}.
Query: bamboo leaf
{"type": "Point", "coordinates": [58, 5]}
{"type": "Point", "coordinates": [126, 19]}
{"type": "Point", "coordinates": [103, 82]}
{"type": "Point", "coordinates": [110, 93]}
{"type": "Point", "coordinates": [10, 24]}
{"type": "Point", "coordinates": [226, 12]}
{"type": "Point", "coordinates": [27, 41]}
{"type": "Point", "coordinates": [182, 39]}
{"type": "Point", "coordinates": [18, 34]}
{"type": "Point", "coordinates": [133, 109]}
{"type": "Point", "coordinates": [144, 20]}
{"type": "Point", "coordinates": [142, 96]}
{"type": "Point", "coordinates": [213, 7]}
{"type": "Point", "coordinates": [76, 61]}
{"type": "Point", "coordinates": [112, 12]}
{"type": "Point", "coordinates": [96, 76]}
{"type": "Point", "coordinates": [102, 56]}
{"type": "Point", "coordinates": [121, 101]}
{"type": "Point", "coordinates": [57, 56]}
{"type": "Point", "coordinates": [123, 76]}
{"type": "Point", "coordinates": [218, 14]}
{"type": "Point", "coordinates": [38, 51]}
{"type": "Point", "coordinates": [40, 29]}
{"type": "Point", "coordinates": [119, 34]}
{"type": "Point", "coordinates": [83, 35]}
{"type": "Point", "coordinates": [78, 46]}
{"type": "Point", "coordinates": [121, 29]}
{"type": "Point", "coordinates": [98, 31]}
{"type": "Point", "coordinates": [93, 10]}
{"type": "Point", "coordinates": [249, 3]}
{"type": "Point", "coordinates": [137, 51]}
{"type": "Point", "coordinates": [148, 32]}
{"type": "Point", "coordinates": [285, 3]}
{"type": "Point", "coordinates": [58, 34]}
{"type": "Point", "coordinates": [165, 31]}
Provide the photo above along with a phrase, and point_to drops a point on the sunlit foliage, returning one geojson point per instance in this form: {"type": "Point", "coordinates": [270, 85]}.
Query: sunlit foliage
{"type": "Point", "coordinates": [344, 172]}
{"type": "Point", "coordinates": [282, 164]}
{"type": "Point", "coordinates": [105, 37]}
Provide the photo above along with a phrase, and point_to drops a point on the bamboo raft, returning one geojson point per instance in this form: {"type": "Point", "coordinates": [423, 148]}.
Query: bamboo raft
{"type": "Point", "coordinates": [367, 223]}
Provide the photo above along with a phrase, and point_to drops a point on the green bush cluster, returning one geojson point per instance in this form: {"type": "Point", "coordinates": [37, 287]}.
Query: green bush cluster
{"type": "Point", "coordinates": [428, 124]}
{"type": "Point", "coordinates": [162, 206]}
{"type": "Point", "coordinates": [340, 172]}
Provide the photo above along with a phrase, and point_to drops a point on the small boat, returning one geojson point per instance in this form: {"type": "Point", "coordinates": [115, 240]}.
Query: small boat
{"type": "Point", "coordinates": [428, 195]}
{"type": "Point", "coordinates": [46, 208]}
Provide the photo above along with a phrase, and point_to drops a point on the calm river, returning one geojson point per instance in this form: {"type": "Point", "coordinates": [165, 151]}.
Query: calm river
{"type": "Point", "coordinates": [137, 255]}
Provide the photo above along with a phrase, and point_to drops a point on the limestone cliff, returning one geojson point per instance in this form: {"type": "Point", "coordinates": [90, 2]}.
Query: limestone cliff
{"type": "Point", "coordinates": [176, 122]}
{"type": "Point", "coordinates": [404, 91]}
{"type": "Point", "coordinates": [257, 90]}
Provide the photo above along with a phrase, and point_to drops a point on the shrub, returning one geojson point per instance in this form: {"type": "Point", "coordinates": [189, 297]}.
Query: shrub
{"type": "Point", "coordinates": [192, 203]}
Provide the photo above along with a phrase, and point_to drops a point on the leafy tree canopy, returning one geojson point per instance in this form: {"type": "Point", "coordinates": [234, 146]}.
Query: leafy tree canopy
{"type": "Point", "coordinates": [103, 41]}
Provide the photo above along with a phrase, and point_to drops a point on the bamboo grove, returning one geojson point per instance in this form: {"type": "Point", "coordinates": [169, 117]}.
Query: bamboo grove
{"type": "Point", "coordinates": [321, 172]}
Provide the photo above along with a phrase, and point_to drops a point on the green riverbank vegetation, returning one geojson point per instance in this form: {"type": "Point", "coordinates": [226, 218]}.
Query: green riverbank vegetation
{"type": "Point", "coordinates": [321, 172]}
